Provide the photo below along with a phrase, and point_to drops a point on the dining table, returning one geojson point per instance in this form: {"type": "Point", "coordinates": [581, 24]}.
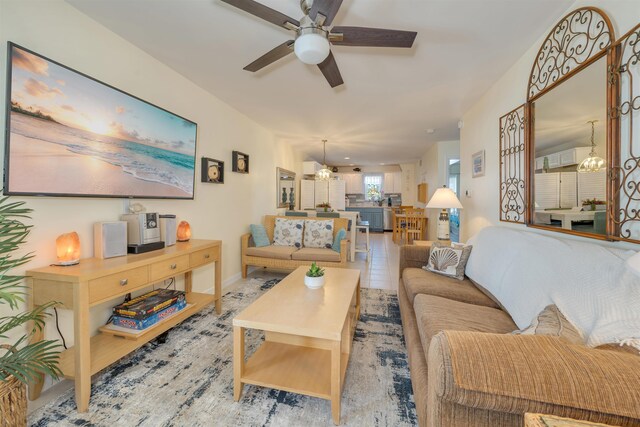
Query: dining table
{"type": "Point", "coordinates": [398, 220]}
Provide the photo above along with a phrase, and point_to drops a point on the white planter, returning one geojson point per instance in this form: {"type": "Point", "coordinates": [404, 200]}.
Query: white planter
{"type": "Point", "coordinates": [314, 282]}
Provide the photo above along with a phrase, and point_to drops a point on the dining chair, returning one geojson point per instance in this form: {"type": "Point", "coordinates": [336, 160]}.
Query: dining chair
{"type": "Point", "coordinates": [413, 228]}
{"type": "Point", "coordinates": [397, 223]}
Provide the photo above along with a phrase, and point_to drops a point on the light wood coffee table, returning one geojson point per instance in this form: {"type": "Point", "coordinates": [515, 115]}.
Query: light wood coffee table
{"type": "Point", "coordinates": [308, 334]}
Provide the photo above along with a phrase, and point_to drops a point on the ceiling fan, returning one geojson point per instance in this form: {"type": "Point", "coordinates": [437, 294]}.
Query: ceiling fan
{"type": "Point", "coordinates": [312, 41]}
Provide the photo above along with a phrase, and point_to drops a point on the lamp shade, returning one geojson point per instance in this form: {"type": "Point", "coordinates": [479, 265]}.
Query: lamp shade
{"type": "Point", "coordinates": [68, 248]}
{"type": "Point", "coordinates": [184, 231]}
{"type": "Point", "coordinates": [311, 48]}
{"type": "Point", "coordinates": [444, 198]}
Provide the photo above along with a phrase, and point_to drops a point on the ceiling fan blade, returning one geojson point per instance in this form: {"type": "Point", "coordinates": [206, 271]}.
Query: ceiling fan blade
{"type": "Point", "coordinates": [374, 37]}
{"type": "Point", "coordinates": [330, 71]}
{"type": "Point", "coordinates": [272, 56]}
{"type": "Point", "coordinates": [328, 8]}
{"type": "Point", "coordinates": [264, 12]}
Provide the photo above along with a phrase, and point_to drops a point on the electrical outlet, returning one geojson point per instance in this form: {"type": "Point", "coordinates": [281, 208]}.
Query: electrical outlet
{"type": "Point", "coordinates": [468, 193]}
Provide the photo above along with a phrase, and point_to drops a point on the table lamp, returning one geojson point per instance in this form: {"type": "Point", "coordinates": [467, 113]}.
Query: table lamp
{"type": "Point", "coordinates": [444, 198]}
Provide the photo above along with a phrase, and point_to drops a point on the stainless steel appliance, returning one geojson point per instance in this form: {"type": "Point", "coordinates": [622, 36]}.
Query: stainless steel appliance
{"type": "Point", "coordinates": [387, 219]}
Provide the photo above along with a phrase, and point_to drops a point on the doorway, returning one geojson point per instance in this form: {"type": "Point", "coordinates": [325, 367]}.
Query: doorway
{"type": "Point", "coordinates": [453, 182]}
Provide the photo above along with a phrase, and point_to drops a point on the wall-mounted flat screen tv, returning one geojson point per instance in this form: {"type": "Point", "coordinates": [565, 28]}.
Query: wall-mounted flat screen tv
{"type": "Point", "coordinates": [71, 135]}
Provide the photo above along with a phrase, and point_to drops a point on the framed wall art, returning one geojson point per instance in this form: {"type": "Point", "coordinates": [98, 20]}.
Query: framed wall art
{"type": "Point", "coordinates": [240, 162]}
{"type": "Point", "coordinates": [477, 164]}
{"type": "Point", "coordinates": [212, 171]}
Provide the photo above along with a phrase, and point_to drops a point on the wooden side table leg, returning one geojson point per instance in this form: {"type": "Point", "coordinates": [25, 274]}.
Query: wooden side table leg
{"type": "Point", "coordinates": [188, 282]}
{"type": "Point", "coordinates": [82, 345]}
{"type": "Point", "coordinates": [336, 387]}
{"type": "Point", "coordinates": [34, 388]}
{"type": "Point", "coordinates": [238, 361]}
{"type": "Point", "coordinates": [218, 283]}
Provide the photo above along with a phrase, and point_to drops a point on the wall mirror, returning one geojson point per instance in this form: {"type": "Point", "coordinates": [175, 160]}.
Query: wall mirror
{"type": "Point", "coordinates": [285, 184]}
{"type": "Point", "coordinates": [569, 168]}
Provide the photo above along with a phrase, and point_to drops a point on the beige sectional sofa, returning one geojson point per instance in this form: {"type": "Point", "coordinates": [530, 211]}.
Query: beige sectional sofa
{"type": "Point", "coordinates": [468, 370]}
{"type": "Point", "coordinates": [290, 257]}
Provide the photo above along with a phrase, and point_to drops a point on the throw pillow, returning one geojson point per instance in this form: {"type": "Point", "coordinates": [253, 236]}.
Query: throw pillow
{"type": "Point", "coordinates": [259, 234]}
{"type": "Point", "coordinates": [340, 235]}
{"type": "Point", "coordinates": [552, 322]}
{"type": "Point", "coordinates": [318, 233]}
{"type": "Point", "coordinates": [448, 261]}
{"type": "Point", "coordinates": [288, 232]}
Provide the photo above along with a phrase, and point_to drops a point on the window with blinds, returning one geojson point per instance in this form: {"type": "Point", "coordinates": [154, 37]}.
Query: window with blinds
{"type": "Point", "coordinates": [373, 187]}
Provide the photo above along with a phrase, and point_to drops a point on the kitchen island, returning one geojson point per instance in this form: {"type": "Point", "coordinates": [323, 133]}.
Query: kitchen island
{"type": "Point", "coordinates": [373, 214]}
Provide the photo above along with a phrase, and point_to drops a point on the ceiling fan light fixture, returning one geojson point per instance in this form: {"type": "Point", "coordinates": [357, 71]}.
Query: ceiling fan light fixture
{"type": "Point", "coordinates": [312, 45]}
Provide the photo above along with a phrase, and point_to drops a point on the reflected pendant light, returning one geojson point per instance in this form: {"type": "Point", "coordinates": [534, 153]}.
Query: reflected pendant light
{"type": "Point", "coordinates": [324, 174]}
{"type": "Point", "coordinates": [592, 163]}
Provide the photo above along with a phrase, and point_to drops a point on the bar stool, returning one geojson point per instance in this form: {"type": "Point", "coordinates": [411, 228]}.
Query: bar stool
{"type": "Point", "coordinates": [364, 226]}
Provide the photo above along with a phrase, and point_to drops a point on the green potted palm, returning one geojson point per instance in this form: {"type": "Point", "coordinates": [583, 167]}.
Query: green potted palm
{"type": "Point", "coordinates": [21, 362]}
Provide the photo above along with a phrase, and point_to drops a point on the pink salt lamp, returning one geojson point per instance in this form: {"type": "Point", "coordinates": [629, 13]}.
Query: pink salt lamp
{"type": "Point", "coordinates": [68, 248]}
{"type": "Point", "coordinates": [184, 231]}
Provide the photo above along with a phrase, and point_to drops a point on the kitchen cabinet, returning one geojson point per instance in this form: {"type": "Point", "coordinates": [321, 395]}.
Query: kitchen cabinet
{"type": "Point", "coordinates": [569, 157]}
{"type": "Point", "coordinates": [392, 182]}
{"type": "Point", "coordinates": [310, 168]}
{"type": "Point", "coordinates": [374, 215]}
{"type": "Point", "coordinates": [354, 183]}
{"type": "Point", "coordinates": [314, 192]}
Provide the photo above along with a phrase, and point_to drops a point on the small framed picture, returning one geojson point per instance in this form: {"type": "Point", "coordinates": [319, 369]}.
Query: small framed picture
{"type": "Point", "coordinates": [212, 171]}
{"type": "Point", "coordinates": [240, 162]}
{"type": "Point", "coordinates": [477, 164]}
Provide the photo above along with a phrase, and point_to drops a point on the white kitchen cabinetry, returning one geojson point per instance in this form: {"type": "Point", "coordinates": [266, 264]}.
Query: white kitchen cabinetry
{"type": "Point", "coordinates": [569, 157]}
{"type": "Point", "coordinates": [310, 168]}
{"type": "Point", "coordinates": [387, 185]}
{"type": "Point", "coordinates": [307, 194]}
{"type": "Point", "coordinates": [397, 182]}
{"type": "Point", "coordinates": [313, 193]}
{"type": "Point", "coordinates": [353, 183]}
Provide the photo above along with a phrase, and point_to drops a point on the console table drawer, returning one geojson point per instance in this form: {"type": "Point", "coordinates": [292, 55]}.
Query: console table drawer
{"type": "Point", "coordinates": [117, 284]}
{"type": "Point", "coordinates": [170, 267]}
{"type": "Point", "coordinates": [204, 256]}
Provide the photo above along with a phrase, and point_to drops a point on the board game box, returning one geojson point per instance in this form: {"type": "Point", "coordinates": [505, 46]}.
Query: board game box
{"type": "Point", "coordinates": [148, 304]}
{"type": "Point", "coordinates": [140, 324]}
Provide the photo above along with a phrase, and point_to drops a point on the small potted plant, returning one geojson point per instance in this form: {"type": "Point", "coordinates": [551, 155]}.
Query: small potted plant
{"type": "Point", "coordinates": [323, 207]}
{"type": "Point", "coordinates": [593, 205]}
{"type": "Point", "coordinates": [314, 279]}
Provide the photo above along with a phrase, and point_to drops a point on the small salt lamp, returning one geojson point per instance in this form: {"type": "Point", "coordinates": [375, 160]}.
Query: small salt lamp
{"type": "Point", "coordinates": [68, 249]}
{"type": "Point", "coordinates": [184, 231]}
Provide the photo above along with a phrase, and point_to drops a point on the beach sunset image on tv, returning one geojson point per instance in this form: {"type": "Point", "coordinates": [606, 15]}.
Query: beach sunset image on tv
{"type": "Point", "coordinates": [72, 135]}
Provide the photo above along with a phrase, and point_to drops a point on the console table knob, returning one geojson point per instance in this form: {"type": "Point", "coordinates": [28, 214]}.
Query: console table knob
{"type": "Point", "coordinates": [173, 266]}
{"type": "Point", "coordinates": [207, 256]}
{"type": "Point", "coordinates": [123, 282]}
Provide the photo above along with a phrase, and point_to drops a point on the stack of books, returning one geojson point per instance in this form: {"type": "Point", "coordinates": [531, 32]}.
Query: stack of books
{"type": "Point", "coordinates": [146, 310]}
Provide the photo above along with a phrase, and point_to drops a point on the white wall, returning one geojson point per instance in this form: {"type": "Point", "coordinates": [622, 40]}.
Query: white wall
{"type": "Point", "coordinates": [58, 31]}
{"type": "Point", "coordinates": [480, 129]}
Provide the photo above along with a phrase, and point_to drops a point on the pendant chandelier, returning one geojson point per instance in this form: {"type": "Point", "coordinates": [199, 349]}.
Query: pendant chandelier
{"type": "Point", "coordinates": [592, 163]}
{"type": "Point", "coordinates": [324, 174]}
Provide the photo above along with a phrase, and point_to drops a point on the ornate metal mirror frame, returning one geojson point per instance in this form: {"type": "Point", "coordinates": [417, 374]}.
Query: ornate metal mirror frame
{"type": "Point", "coordinates": [578, 40]}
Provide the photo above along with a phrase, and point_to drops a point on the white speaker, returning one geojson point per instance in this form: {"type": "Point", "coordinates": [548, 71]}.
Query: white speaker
{"type": "Point", "coordinates": [109, 239]}
{"type": "Point", "coordinates": [168, 229]}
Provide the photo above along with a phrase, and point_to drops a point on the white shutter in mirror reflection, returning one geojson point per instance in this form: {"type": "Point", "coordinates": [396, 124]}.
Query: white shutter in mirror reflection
{"type": "Point", "coordinates": [625, 175]}
{"type": "Point", "coordinates": [569, 190]}
{"type": "Point", "coordinates": [592, 185]}
{"type": "Point", "coordinates": [547, 190]}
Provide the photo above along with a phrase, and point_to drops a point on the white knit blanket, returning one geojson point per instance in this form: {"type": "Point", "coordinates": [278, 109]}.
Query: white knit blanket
{"type": "Point", "coordinates": [589, 283]}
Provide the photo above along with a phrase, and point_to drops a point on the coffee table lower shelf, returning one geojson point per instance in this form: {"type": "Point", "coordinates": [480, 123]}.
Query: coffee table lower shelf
{"type": "Point", "coordinates": [293, 368]}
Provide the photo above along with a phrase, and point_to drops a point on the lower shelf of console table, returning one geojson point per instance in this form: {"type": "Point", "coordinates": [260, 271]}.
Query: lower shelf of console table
{"type": "Point", "coordinates": [95, 281]}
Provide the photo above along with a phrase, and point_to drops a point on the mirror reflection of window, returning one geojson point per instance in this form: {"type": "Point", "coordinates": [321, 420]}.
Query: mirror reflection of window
{"type": "Point", "coordinates": [570, 148]}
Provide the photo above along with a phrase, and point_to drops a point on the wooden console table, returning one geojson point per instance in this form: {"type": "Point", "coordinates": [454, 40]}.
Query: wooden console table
{"type": "Point", "coordinates": [95, 281]}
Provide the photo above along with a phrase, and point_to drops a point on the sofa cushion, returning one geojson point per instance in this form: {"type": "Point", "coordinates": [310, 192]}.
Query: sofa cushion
{"type": "Point", "coordinates": [272, 251]}
{"type": "Point", "coordinates": [316, 254]}
{"type": "Point", "coordinates": [435, 314]}
{"type": "Point", "coordinates": [448, 260]}
{"type": "Point", "coordinates": [259, 235]}
{"type": "Point", "coordinates": [417, 281]}
{"type": "Point", "coordinates": [318, 233]}
{"type": "Point", "coordinates": [552, 322]}
{"type": "Point", "coordinates": [288, 232]}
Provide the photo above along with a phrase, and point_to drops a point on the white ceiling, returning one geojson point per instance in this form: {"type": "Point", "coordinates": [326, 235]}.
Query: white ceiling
{"type": "Point", "coordinates": [390, 96]}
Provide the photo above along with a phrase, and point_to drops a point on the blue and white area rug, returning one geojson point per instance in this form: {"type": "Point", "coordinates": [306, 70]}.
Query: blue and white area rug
{"type": "Point", "coordinates": [188, 380]}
